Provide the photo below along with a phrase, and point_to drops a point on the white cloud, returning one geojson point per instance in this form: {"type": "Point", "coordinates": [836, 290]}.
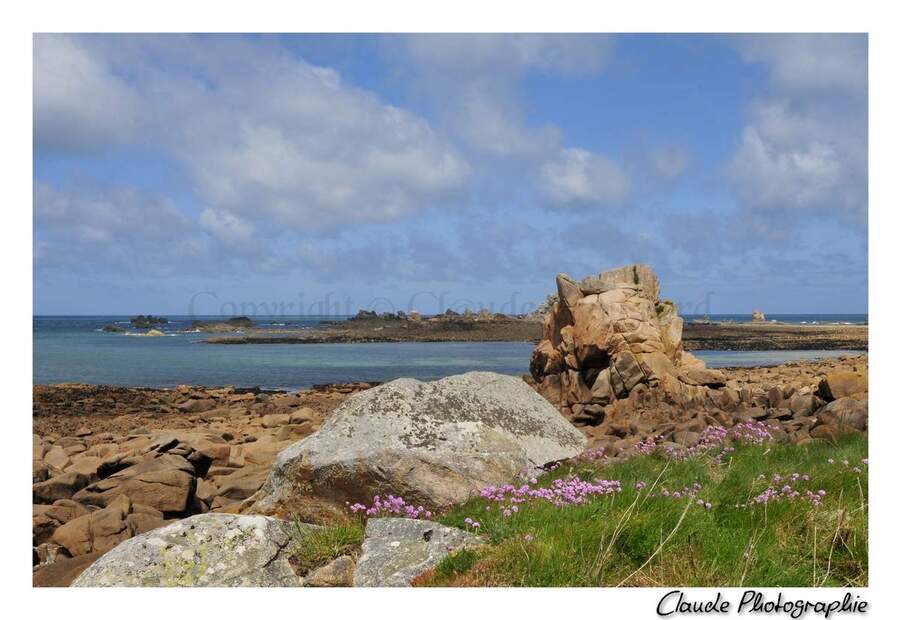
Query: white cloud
{"type": "Point", "coordinates": [480, 54]}
{"type": "Point", "coordinates": [472, 80]}
{"type": "Point", "coordinates": [262, 134]}
{"type": "Point", "coordinates": [806, 175]}
{"type": "Point", "coordinates": [804, 145]}
{"type": "Point", "coordinates": [89, 227]}
{"type": "Point", "coordinates": [805, 62]}
{"type": "Point", "coordinates": [78, 103]}
{"type": "Point", "coordinates": [579, 177]}
{"type": "Point", "coordinates": [227, 227]}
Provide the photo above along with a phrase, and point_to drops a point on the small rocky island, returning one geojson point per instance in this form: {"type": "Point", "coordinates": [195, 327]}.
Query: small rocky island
{"type": "Point", "coordinates": [146, 321]}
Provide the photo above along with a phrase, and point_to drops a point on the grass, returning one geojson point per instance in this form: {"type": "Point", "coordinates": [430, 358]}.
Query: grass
{"type": "Point", "coordinates": [639, 538]}
{"type": "Point", "coordinates": [316, 548]}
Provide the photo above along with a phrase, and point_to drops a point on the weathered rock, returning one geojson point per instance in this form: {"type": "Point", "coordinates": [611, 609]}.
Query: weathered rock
{"type": "Point", "coordinates": [804, 404]}
{"type": "Point", "coordinates": [703, 376]}
{"type": "Point", "coordinates": [102, 530]}
{"type": "Point", "coordinates": [758, 315]}
{"type": "Point", "coordinates": [432, 443]}
{"type": "Point", "coordinates": [45, 519]}
{"type": "Point", "coordinates": [86, 465]}
{"type": "Point", "coordinates": [63, 486]}
{"type": "Point", "coordinates": [841, 384]}
{"type": "Point", "coordinates": [396, 551]}
{"type": "Point", "coordinates": [242, 483]}
{"type": "Point", "coordinates": [845, 413]}
{"type": "Point", "coordinates": [57, 458]}
{"type": "Point", "coordinates": [608, 334]}
{"type": "Point", "coordinates": [276, 419]}
{"type": "Point", "coordinates": [61, 572]}
{"type": "Point", "coordinates": [337, 573]}
{"type": "Point", "coordinates": [166, 483]}
{"type": "Point", "coordinates": [203, 550]}
{"type": "Point", "coordinates": [197, 405]}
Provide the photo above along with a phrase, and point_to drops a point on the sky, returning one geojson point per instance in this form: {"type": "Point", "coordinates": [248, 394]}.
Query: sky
{"type": "Point", "coordinates": [324, 174]}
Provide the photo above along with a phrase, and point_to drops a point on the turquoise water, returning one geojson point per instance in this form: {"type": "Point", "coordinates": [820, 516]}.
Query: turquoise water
{"type": "Point", "coordinates": [73, 349]}
{"type": "Point", "coordinates": [798, 319]}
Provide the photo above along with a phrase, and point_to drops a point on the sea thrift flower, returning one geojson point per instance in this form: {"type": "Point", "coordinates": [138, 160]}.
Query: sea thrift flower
{"type": "Point", "coordinates": [391, 505]}
{"type": "Point", "coordinates": [648, 445]}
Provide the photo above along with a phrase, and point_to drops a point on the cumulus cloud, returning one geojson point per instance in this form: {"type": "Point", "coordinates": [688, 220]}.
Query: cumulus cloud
{"type": "Point", "coordinates": [804, 145]}
{"type": "Point", "coordinates": [261, 133]}
{"type": "Point", "coordinates": [78, 104]}
{"type": "Point", "coordinates": [811, 62]}
{"type": "Point", "coordinates": [93, 227]}
{"type": "Point", "coordinates": [579, 177]}
{"type": "Point", "coordinates": [227, 227]}
{"type": "Point", "coordinates": [472, 80]}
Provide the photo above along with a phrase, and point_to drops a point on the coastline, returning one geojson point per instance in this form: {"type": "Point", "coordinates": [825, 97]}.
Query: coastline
{"type": "Point", "coordinates": [695, 336]}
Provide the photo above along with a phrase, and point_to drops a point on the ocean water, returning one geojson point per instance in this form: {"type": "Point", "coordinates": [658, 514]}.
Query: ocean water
{"type": "Point", "coordinates": [75, 349]}
{"type": "Point", "coordinates": [796, 319]}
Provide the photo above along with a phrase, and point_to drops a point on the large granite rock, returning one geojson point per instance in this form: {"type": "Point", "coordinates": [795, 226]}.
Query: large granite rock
{"type": "Point", "coordinates": [607, 334]}
{"type": "Point", "coordinates": [101, 530]}
{"type": "Point", "coordinates": [203, 550]}
{"type": "Point", "coordinates": [434, 444]}
{"type": "Point", "coordinates": [166, 483]}
{"type": "Point", "coordinates": [838, 385]}
{"type": "Point", "coordinates": [396, 551]}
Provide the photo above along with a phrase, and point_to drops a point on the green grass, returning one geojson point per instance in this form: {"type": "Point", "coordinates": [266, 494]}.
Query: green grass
{"type": "Point", "coordinates": [319, 547]}
{"type": "Point", "coordinates": [632, 538]}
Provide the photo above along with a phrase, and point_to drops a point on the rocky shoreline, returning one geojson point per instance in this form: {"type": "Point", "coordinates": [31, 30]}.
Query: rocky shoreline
{"type": "Point", "coordinates": [696, 336]}
{"type": "Point", "coordinates": [198, 450]}
{"type": "Point", "coordinates": [222, 485]}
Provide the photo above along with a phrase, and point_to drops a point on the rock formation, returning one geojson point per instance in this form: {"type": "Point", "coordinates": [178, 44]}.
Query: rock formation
{"type": "Point", "coordinates": [608, 334]}
{"type": "Point", "coordinates": [434, 444]}
{"type": "Point", "coordinates": [204, 550]}
{"type": "Point", "coordinates": [396, 551]}
{"type": "Point", "coordinates": [612, 362]}
{"type": "Point", "coordinates": [145, 321]}
{"type": "Point", "coordinates": [758, 315]}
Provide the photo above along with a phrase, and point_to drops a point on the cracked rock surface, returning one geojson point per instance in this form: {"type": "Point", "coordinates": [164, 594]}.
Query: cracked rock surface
{"type": "Point", "coordinates": [203, 550]}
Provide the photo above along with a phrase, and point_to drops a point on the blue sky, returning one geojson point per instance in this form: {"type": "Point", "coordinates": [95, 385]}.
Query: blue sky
{"type": "Point", "coordinates": [295, 174]}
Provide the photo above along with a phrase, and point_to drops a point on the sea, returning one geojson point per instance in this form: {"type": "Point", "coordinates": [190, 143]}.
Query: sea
{"type": "Point", "coordinates": [76, 349]}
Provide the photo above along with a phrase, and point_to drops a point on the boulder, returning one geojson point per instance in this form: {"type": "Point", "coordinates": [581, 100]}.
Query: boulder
{"type": "Point", "coordinates": [203, 550]}
{"type": "Point", "coordinates": [101, 530]}
{"type": "Point", "coordinates": [337, 573]}
{"type": "Point", "coordinates": [165, 483]}
{"type": "Point", "coordinates": [242, 483]}
{"type": "Point", "coordinates": [845, 414]}
{"type": "Point", "coordinates": [432, 443]}
{"type": "Point", "coordinates": [703, 376]}
{"type": "Point", "coordinates": [57, 458]}
{"type": "Point", "coordinates": [276, 419]}
{"type": "Point", "coordinates": [606, 335]}
{"type": "Point", "coordinates": [61, 572]}
{"type": "Point", "coordinates": [396, 551]}
{"type": "Point", "coordinates": [45, 519]}
{"type": "Point", "coordinates": [63, 486]}
{"type": "Point", "coordinates": [758, 315]}
{"type": "Point", "coordinates": [803, 405]}
{"type": "Point", "coordinates": [839, 385]}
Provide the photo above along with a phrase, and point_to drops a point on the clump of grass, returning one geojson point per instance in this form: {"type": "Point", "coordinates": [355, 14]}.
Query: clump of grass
{"type": "Point", "coordinates": [700, 521]}
{"type": "Point", "coordinates": [318, 547]}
